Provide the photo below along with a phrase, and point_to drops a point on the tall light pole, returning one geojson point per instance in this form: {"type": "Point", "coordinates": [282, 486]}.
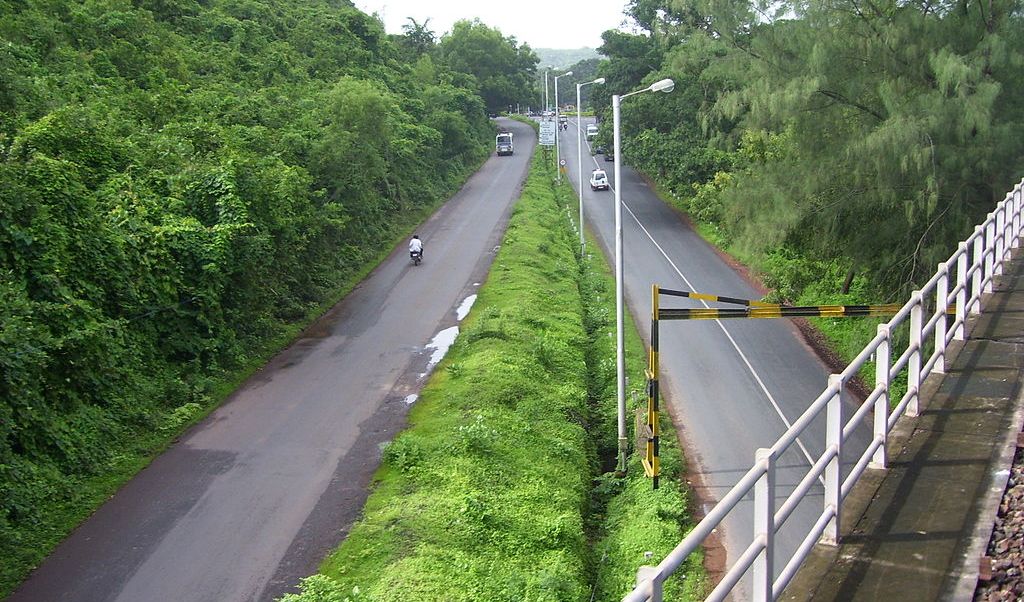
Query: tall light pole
{"type": "Point", "coordinates": [579, 154]}
{"type": "Point", "coordinates": [547, 105]}
{"type": "Point", "coordinates": [665, 85]}
{"type": "Point", "coordinates": [558, 126]}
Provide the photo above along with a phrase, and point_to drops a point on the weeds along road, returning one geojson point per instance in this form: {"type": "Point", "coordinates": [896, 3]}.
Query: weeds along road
{"type": "Point", "coordinates": [250, 500]}
{"type": "Point", "coordinates": [732, 386]}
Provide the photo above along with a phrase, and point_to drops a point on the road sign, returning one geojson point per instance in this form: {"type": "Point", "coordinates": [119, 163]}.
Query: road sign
{"type": "Point", "coordinates": [562, 162]}
{"type": "Point", "coordinates": [547, 133]}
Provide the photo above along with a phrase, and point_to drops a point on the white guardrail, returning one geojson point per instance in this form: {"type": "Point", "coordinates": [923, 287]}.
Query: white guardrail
{"type": "Point", "coordinates": [976, 262]}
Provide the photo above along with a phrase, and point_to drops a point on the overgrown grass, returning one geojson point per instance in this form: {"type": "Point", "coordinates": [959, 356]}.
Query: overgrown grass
{"type": "Point", "coordinates": [495, 491]}
{"type": "Point", "coordinates": [630, 518]}
{"type": "Point", "coordinates": [483, 497]}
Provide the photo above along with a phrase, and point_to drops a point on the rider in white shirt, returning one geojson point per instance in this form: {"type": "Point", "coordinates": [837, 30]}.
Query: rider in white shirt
{"type": "Point", "coordinates": [416, 245]}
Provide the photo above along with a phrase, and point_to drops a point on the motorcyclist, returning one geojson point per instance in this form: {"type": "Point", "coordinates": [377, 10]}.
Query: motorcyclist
{"type": "Point", "coordinates": [416, 246]}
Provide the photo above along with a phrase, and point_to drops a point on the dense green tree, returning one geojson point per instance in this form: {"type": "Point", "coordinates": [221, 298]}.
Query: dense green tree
{"type": "Point", "coordinates": [900, 120]}
{"type": "Point", "coordinates": [503, 68]}
{"type": "Point", "coordinates": [417, 38]}
{"type": "Point", "coordinates": [873, 132]}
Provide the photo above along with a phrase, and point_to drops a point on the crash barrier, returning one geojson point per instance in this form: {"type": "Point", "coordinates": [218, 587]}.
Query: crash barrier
{"type": "Point", "coordinates": [651, 459]}
{"type": "Point", "coordinates": [823, 311]}
{"type": "Point", "coordinates": [972, 269]}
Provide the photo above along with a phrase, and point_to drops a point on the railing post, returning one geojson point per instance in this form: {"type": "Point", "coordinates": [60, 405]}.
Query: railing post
{"type": "Point", "coordinates": [990, 252]}
{"type": "Point", "coordinates": [881, 425]}
{"type": "Point", "coordinates": [999, 244]}
{"type": "Point", "coordinates": [917, 347]}
{"type": "Point", "coordinates": [941, 306]}
{"type": "Point", "coordinates": [1017, 215]}
{"type": "Point", "coordinates": [651, 573]}
{"type": "Point", "coordinates": [978, 264]}
{"type": "Point", "coordinates": [764, 527]}
{"type": "Point", "coordinates": [833, 478]}
{"type": "Point", "coordinates": [961, 295]}
{"type": "Point", "coordinates": [1008, 225]}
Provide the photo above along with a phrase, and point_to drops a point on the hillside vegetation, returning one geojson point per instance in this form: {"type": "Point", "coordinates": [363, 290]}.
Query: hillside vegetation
{"type": "Point", "coordinates": [815, 139]}
{"type": "Point", "coordinates": [556, 58]}
{"type": "Point", "coordinates": [839, 149]}
{"type": "Point", "coordinates": [182, 184]}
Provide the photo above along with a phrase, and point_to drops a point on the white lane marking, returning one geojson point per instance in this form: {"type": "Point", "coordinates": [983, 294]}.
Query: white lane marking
{"type": "Point", "coordinates": [743, 356]}
{"type": "Point", "coordinates": [463, 309]}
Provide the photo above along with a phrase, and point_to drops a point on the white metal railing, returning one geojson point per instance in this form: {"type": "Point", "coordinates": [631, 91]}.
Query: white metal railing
{"type": "Point", "coordinates": [975, 263]}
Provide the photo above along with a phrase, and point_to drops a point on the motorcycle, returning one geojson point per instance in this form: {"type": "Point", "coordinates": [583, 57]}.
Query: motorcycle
{"type": "Point", "coordinates": [417, 257]}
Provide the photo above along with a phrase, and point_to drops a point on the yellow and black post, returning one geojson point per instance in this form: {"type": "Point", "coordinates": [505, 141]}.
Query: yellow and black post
{"type": "Point", "coordinates": [652, 460]}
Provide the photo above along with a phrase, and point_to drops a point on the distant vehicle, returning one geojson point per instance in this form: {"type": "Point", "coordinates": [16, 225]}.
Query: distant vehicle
{"type": "Point", "coordinates": [609, 157]}
{"type": "Point", "coordinates": [563, 119]}
{"type": "Point", "coordinates": [591, 131]}
{"type": "Point", "coordinates": [503, 143]}
{"type": "Point", "coordinates": [599, 180]}
{"type": "Point", "coordinates": [598, 150]}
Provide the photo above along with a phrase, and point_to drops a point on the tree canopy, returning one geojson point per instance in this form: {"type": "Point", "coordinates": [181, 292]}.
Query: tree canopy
{"type": "Point", "coordinates": [502, 67]}
{"type": "Point", "coordinates": [876, 132]}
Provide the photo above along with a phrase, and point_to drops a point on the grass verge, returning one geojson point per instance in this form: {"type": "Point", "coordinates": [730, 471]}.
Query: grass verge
{"type": "Point", "coordinates": [495, 491]}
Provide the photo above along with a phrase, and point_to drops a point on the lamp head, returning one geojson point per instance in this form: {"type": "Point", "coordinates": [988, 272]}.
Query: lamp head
{"type": "Point", "coordinates": [665, 85]}
{"type": "Point", "coordinates": [566, 73]}
{"type": "Point", "coordinates": [599, 80]}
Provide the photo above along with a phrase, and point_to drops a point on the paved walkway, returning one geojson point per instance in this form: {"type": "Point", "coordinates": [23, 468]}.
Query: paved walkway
{"type": "Point", "coordinates": [918, 530]}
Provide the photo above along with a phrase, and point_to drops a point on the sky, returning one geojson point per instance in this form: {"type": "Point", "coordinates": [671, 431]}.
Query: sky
{"type": "Point", "coordinates": [539, 23]}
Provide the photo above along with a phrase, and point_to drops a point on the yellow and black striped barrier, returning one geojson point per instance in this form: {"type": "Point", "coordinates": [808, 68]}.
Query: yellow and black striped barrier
{"type": "Point", "coordinates": [751, 309]}
{"type": "Point", "coordinates": [714, 298]}
{"type": "Point", "coordinates": [781, 311]}
{"type": "Point", "coordinates": [652, 453]}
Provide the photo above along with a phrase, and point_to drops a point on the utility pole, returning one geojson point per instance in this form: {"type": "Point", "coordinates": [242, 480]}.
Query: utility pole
{"type": "Point", "coordinates": [547, 105]}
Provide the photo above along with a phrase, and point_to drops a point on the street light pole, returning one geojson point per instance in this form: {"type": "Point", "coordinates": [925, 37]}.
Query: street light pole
{"type": "Point", "coordinates": [665, 85]}
{"type": "Point", "coordinates": [579, 156]}
{"type": "Point", "coordinates": [547, 105]}
{"type": "Point", "coordinates": [558, 126]}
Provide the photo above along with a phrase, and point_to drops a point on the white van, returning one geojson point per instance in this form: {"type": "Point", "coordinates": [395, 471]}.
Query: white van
{"type": "Point", "coordinates": [591, 131]}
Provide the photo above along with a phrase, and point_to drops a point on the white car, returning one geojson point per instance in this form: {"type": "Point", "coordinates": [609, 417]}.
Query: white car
{"type": "Point", "coordinates": [599, 180]}
{"type": "Point", "coordinates": [591, 131]}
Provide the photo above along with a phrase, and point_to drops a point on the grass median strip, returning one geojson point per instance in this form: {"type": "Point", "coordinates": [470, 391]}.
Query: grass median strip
{"type": "Point", "coordinates": [495, 491]}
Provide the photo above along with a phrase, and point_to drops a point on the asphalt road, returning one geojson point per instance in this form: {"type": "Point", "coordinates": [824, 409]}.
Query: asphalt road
{"type": "Point", "coordinates": [731, 386]}
{"type": "Point", "coordinates": [252, 498]}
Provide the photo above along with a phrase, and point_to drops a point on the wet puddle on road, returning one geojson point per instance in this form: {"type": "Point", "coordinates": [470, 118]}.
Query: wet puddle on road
{"type": "Point", "coordinates": [463, 309]}
{"type": "Point", "coordinates": [441, 342]}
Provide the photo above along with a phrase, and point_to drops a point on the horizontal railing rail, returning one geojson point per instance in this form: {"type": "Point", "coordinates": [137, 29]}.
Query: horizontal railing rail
{"type": "Point", "coordinates": [958, 283]}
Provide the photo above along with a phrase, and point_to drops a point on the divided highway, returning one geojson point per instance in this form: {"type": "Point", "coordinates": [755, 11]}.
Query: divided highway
{"type": "Point", "coordinates": [731, 386]}
{"type": "Point", "coordinates": [252, 498]}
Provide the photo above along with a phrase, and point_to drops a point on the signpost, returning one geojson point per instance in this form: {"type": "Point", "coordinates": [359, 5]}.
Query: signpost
{"type": "Point", "coordinates": [547, 132]}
